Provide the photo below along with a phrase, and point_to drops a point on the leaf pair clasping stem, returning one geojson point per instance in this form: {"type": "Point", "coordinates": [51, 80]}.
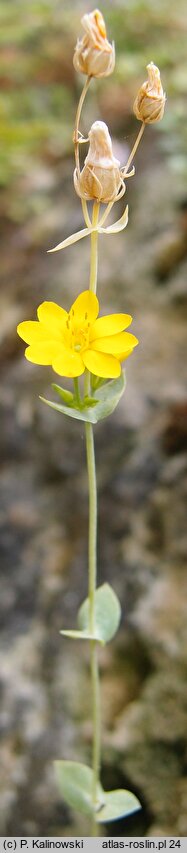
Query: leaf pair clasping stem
{"type": "Point", "coordinates": [97, 225]}
{"type": "Point", "coordinates": [117, 226]}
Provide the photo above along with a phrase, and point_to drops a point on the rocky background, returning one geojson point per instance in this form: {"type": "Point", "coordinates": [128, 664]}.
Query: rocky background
{"type": "Point", "coordinates": [141, 450]}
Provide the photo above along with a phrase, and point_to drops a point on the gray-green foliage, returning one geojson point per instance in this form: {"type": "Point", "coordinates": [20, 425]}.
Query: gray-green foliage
{"type": "Point", "coordinates": [107, 617]}
{"type": "Point", "coordinates": [75, 783]}
{"type": "Point", "coordinates": [101, 404]}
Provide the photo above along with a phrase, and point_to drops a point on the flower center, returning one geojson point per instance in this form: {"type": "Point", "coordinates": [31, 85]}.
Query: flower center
{"type": "Point", "coordinates": [77, 336]}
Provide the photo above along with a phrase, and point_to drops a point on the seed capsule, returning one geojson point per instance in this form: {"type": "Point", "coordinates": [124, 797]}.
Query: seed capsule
{"type": "Point", "coordinates": [150, 101]}
{"type": "Point", "coordinates": [94, 55]}
{"type": "Point", "coordinates": [100, 177]}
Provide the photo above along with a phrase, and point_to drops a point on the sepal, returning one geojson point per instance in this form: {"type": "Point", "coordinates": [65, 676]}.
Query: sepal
{"type": "Point", "coordinates": [65, 395]}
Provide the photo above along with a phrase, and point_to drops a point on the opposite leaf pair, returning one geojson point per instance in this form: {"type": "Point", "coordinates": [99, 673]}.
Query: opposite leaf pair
{"type": "Point", "coordinates": [75, 782]}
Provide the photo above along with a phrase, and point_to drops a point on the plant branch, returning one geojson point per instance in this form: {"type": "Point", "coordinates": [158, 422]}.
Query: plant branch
{"type": "Point", "coordinates": [134, 149]}
{"type": "Point", "coordinates": [94, 249]}
{"type": "Point", "coordinates": [77, 122]}
{"type": "Point", "coordinates": [92, 547]}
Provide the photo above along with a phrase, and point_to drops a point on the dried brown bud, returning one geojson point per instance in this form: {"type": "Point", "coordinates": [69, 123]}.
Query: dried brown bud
{"type": "Point", "coordinates": [100, 177]}
{"type": "Point", "coordinates": [94, 55]}
{"type": "Point", "coordinates": [150, 102]}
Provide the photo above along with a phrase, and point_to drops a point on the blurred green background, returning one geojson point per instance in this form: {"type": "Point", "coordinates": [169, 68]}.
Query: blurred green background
{"type": "Point", "coordinates": [39, 86]}
{"type": "Point", "coordinates": [141, 450]}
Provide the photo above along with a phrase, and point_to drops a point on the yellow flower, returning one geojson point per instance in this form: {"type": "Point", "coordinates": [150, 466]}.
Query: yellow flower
{"type": "Point", "coordinates": [78, 340]}
{"type": "Point", "coordinates": [94, 55]}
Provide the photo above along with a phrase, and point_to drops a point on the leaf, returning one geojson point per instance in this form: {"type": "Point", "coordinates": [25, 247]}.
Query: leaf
{"type": "Point", "coordinates": [108, 397]}
{"type": "Point", "coordinates": [79, 414]}
{"type": "Point", "coordinates": [117, 226]}
{"type": "Point", "coordinates": [117, 804]}
{"type": "Point", "coordinates": [107, 614]}
{"type": "Point", "coordinates": [79, 635]}
{"type": "Point", "coordinates": [75, 782]}
{"type": "Point", "coordinates": [73, 239]}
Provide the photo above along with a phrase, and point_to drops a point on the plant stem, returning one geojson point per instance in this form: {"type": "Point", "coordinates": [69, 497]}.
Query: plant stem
{"type": "Point", "coordinates": [94, 249]}
{"type": "Point", "coordinates": [96, 726]}
{"type": "Point", "coordinates": [135, 146]}
{"type": "Point", "coordinates": [92, 548]}
{"type": "Point", "coordinates": [77, 121]}
{"type": "Point", "coordinates": [93, 272]}
{"type": "Point", "coordinates": [77, 391]}
{"type": "Point", "coordinates": [92, 542]}
{"type": "Point", "coordinates": [92, 554]}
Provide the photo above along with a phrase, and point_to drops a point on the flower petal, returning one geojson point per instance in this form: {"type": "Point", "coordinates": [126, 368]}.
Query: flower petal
{"type": "Point", "coordinates": [115, 343]}
{"type": "Point", "coordinates": [53, 318]}
{"type": "Point", "coordinates": [42, 353]}
{"type": "Point", "coordinates": [85, 304]}
{"type": "Point", "coordinates": [123, 355]}
{"type": "Point", "coordinates": [102, 365]}
{"type": "Point", "coordinates": [68, 363]}
{"type": "Point", "coordinates": [110, 325]}
{"type": "Point", "coordinates": [32, 332]}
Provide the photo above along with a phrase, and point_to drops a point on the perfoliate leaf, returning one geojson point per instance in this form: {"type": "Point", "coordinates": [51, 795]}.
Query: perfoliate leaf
{"type": "Point", "coordinates": [111, 229]}
{"type": "Point", "coordinates": [75, 782]}
{"type": "Point", "coordinates": [107, 614]}
{"type": "Point", "coordinates": [107, 398]}
{"type": "Point", "coordinates": [73, 239]}
{"type": "Point", "coordinates": [117, 226]}
{"type": "Point", "coordinates": [117, 804]}
{"type": "Point", "coordinates": [78, 635]}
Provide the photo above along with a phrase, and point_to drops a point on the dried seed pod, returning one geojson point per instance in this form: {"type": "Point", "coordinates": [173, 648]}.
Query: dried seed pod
{"type": "Point", "coordinates": [100, 177]}
{"type": "Point", "coordinates": [150, 101]}
{"type": "Point", "coordinates": [94, 55]}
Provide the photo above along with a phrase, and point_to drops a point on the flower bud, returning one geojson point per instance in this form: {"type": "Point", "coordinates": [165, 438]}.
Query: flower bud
{"type": "Point", "coordinates": [94, 55]}
{"type": "Point", "coordinates": [100, 177]}
{"type": "Point", "coordinates": [150, 101]}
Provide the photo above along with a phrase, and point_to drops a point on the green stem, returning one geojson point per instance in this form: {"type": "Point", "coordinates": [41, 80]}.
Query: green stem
{"type": "Point", "coordinates": [92, 540]}
{"type": "Point", "coordinates": [92, 548]}
{"type": "Point", "coordinates": [77, 392]}
{"type": "Point", "coordinates": [94, 249]}
{"type": "Point", "coordinates": [92, 555]}
{"type": "Point", "coordinates": [77, 121]}
{"type": "Point", "coordinates": [96, 725]}
{"type": "Point", "coordinates": [135, 146]}
{"type": "Point", "coordinates": [93, 272]}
